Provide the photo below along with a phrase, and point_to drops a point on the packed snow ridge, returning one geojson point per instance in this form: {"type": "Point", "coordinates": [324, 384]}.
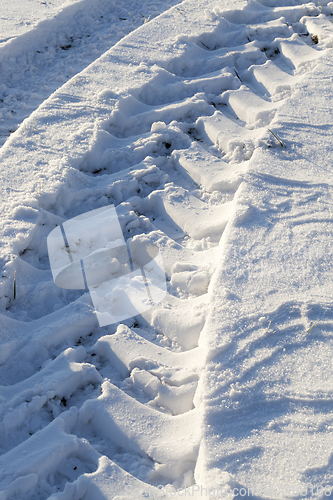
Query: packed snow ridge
{"type": "Point", "coordinates": [166, 283]}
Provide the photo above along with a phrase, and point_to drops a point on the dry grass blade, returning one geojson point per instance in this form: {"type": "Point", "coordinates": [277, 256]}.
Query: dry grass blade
{"type": "Point", "coordinates": [268, 328]}
{"type": "Point", "coordinates": [204, 45]}
{"type": "Point", "coordinates": [239, 78]}
{"type": "Point", "coordinates": [307, 331]}
{"type": "Point", "coordinates": [280, 141]}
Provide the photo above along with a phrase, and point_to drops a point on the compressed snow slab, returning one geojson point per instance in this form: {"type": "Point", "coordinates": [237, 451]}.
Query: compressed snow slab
{"type": "Point", "coordinates": [127, 349]}
{"type": "Point", "coordinates": [182, 209]}
{"type": "Point", "coordinates": [212, 173]}
{"type": "Point", "coordinates": [139, 428]}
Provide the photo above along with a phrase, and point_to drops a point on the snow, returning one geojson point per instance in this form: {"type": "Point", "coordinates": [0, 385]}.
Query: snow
{"type": "Point", "coordinates": [166, 226]}
{"type": "Point", "coordinates": [45, 43]}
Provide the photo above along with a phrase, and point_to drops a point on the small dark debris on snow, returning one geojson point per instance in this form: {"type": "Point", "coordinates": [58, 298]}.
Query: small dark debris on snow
{"type": "Point", "coordinates": [206, 46]}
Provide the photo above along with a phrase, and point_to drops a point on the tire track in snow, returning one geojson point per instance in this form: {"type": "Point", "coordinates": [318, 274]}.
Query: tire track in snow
{"type": "Point", "coordinates": [185, 166]}
{"type": "Point", "coordinates": [40, 61]}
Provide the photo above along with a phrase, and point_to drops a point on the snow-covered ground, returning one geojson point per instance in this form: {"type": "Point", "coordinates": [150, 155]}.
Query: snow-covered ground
{"type": "Point", "coordinates": [45, 43]}
{"type": "Point", "coordinates": [209, 129]}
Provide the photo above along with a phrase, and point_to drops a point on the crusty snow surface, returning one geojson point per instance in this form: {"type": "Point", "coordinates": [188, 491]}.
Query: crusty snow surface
{"type": "Point", "coordinates": [207, 124]}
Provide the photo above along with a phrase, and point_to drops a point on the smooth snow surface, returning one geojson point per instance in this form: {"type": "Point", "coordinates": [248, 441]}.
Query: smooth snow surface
{"type": "Point", "coordinates": [209, 130]}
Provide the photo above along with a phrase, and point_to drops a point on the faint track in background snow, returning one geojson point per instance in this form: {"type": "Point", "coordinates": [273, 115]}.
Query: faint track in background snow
{"type": "Point", "coordinates": [175, 152]}
{"type": "Point", "coordinates": [38, 62]}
